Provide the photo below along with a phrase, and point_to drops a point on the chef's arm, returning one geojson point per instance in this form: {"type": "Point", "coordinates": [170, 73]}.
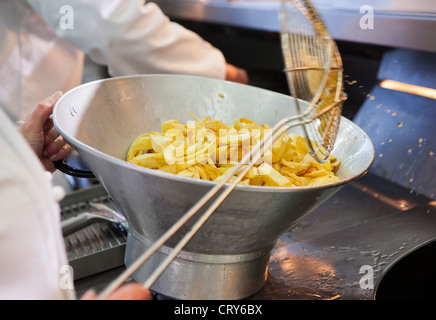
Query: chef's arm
{"type": "Point", "coordinates": [131, 37]}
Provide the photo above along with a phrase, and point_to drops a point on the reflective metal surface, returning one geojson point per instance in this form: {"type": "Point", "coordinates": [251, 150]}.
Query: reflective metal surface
{"type": "Point", "coordinates": [345, 248]}
{"type": "Point", "coordinates": [401, 125]}
{"type": "Point", "coordinates": [401, 24]}
{"type": "Point", "coordinates": [102, 118]}
{"type": "Point", "coordinates": [370, 223]}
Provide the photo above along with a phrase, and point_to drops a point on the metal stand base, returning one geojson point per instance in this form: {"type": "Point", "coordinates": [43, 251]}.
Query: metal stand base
{"type": "Point", "coordinates": [201, 276]}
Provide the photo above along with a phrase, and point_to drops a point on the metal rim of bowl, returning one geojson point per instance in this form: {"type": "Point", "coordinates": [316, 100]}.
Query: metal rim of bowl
{"type": "Point", "coordinates": [75, 142]}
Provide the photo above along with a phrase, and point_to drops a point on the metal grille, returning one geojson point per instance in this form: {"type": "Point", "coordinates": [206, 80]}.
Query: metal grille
{"type": "Point", "coordinates": [95, 248]}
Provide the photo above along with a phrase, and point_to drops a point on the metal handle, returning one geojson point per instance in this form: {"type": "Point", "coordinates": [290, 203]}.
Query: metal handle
{"type": "Point", "coordinates": [85, 219]}
{"type": "Point", "coordinates": [78, 222]}
{"type": "Point", "coordinates": [80, 173]}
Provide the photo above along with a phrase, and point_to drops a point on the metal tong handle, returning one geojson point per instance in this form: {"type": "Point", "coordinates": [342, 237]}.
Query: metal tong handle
{"type": "Point", "coordinates": [82, 220]}
{"type": "Point", "coordinates": [254, 154]}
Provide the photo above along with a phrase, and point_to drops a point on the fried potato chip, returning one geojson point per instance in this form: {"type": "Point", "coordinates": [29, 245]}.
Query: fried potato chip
{"type": "Point", "coordinates": [139, 146]}
{"type": "Point", "coordinates": [272, 177]}
{"type": "Point", "coordinates": [150, 160]}
{"type": "Point", "coordinates": [208, 149]}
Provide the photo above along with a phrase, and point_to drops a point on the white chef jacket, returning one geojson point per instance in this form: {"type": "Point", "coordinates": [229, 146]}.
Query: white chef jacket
{"type": "Point", "coordinates": [43, 42]}
{"type": "Point", "coordinates": [33, 262]}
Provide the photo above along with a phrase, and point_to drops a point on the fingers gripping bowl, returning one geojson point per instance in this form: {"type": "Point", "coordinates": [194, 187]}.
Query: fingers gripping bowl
{"type": "Point", "coordinates": [228, 257]}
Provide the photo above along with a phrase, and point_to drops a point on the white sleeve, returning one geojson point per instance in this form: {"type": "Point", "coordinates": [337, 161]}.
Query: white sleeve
{"type": "Point", "coordinates": [131, 37]}
{"type": "Point", "coordinates": [32, 249]}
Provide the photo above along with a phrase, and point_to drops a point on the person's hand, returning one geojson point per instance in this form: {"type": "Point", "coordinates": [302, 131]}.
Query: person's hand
{"type": "Point", "coordinates": [39, 131]}
{"type": "Point", "coordinates": [130, 291]}
{"type": "Point", "coordinates": [236, 74]}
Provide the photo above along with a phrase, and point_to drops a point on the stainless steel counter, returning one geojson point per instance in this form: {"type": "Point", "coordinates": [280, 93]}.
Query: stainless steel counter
{"type": "Point", "coordinates": [361, 233]}
{"type": "Point", "coordinates": [401, 23]}
{"type": "Point", "coordinates": [343, 249]}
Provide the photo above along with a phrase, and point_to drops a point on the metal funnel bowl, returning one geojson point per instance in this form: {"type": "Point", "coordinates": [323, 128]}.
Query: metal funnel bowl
{"type": "Point", "coordinates": [228, 257]}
